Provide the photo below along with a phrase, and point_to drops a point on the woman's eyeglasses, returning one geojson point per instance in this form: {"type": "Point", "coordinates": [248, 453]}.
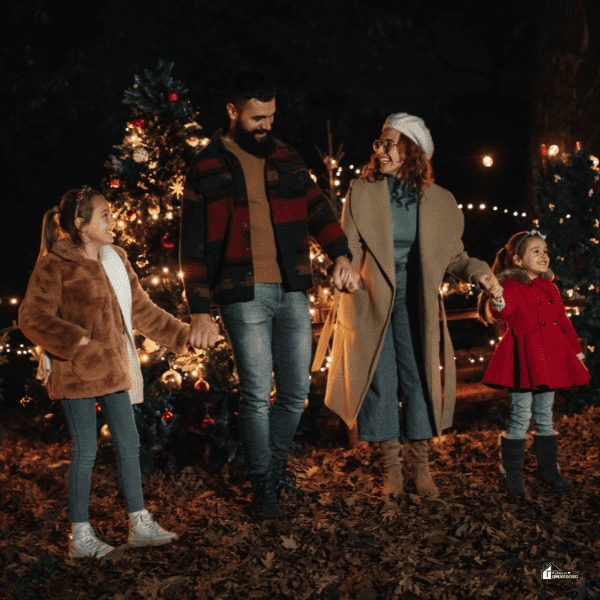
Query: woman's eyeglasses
{"type": "Point", "coordinates": [386, 145]}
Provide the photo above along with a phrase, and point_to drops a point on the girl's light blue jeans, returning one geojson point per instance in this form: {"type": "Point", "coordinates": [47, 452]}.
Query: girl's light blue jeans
{"type": "Point", "coordinates": [525, 404]}
{"type": "Point", "coordinates": [81, 419]}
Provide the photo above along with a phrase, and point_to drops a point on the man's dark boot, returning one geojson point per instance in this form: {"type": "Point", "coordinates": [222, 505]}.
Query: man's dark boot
{"type": "Point", "coordinates": [513, 458]}
{"type": "Point", "coordinates": [546, 449]}
{"type": "Point", "coordinates": [283, 479]}
{"type": "Point", "coordinates": [266, 502]}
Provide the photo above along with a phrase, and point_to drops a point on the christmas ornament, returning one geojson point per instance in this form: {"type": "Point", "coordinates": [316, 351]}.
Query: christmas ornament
{"type": "Point", "coordinates": [141, 261]}
{"type": "Point", "coordinates": [173, 96]}
{"type": "Point", "coordinates": [207, 422]}
{"type": "Point", "coordinates": [140, 155]}
{"type": "Point", "coordinates": [167, 416]}
{"type": "Point", "coordinates": [115, 182]}
{"type": "Point", "coordinates": [167, 242]}
{"type": "Point", "coordinates": [131, 215]}
{"type": "Point", "coordinates": [171, 379]}
{"type": "Point", "coordinates": [98, 409]}
{"type": "Point", "coordinates": [150, 346]}
{"type": "Point", "coordinates": [177, 188]}
{"type": "Point", "coordinates": [105, 433]}
{"type": "Point", "coordinates": [154, 210]}
{"type": "Point", "coordinates": [202, 385]}
{"type": "Point", "coordinates": [141, 123]}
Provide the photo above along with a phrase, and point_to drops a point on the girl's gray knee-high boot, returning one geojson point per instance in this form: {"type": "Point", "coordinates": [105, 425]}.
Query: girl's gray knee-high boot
{"type": "Point", "coordinates": [513, 459]}
{"type": "Point", "coordinates": [546, 449]}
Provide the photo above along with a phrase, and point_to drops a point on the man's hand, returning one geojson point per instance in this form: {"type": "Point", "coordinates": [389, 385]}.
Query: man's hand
{"type": "Point", "coordinates": [203, 331]}
{"type": "Point", "coordinates": [491, 285]}
{"type": "Point", "coordinates": [345, 275]}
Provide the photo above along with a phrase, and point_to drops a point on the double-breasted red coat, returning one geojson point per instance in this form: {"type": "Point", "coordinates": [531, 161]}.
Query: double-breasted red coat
{"type": "Point", "coordinates": [540, 346]}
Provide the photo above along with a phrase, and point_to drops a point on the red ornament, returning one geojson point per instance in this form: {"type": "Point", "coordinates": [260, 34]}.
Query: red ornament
{"type": "Point", "coordinates": [141, 123]}
{"type": "Point", "coordinates": [131, 215]}
{"type": "Point", "coordinates": [98, 409]}
{"type": "Point", "coordinates": [543, 150]}
{"type": "Point", "coordinates": [167, 416]}
{"type": "Point", "coordinates": [202, 385]}
{"type": "Point", "coordinates": [115, 182]}
{"type": "Point", "coordinates": [167, 242]}
{"type": "Point", "coordinates": [173, 96]}
{"type": "Point", "coordinates": [207, 422]}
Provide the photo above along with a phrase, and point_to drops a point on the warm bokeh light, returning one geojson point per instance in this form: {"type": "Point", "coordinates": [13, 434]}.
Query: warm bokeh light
{"type": "Point", "coordinates": [488, 161]}
{"type": "Point", "coordinates": [553, 150]}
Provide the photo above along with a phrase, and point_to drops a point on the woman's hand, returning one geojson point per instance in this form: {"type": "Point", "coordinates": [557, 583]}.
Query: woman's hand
{"type": "Point", "coordinates": [345, 276]}
{"type": "Point", "coordinates": [491, 285]}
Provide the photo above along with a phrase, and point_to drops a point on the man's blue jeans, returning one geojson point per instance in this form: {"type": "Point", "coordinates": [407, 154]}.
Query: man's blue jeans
{"type": "Point", "coordinates": [270, 336]}
{"type": "Point", "coordinates": [523, 405]}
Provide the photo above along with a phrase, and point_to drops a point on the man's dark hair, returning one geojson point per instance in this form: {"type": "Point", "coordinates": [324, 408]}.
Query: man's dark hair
{"type": "Point", "coordinates": [248, 85]}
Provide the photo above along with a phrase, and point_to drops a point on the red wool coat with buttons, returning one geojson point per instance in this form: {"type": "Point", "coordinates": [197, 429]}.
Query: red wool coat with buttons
{"type": "Point", "coordinates": [540, 345]}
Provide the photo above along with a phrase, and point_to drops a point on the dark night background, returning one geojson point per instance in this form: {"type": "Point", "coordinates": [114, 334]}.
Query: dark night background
{"type": "Point", "coordinates": [472, 70]}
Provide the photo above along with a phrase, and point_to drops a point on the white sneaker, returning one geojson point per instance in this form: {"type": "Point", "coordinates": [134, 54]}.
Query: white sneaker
{"type": "Point", "coordinates": [85, 543]}
{"type": "Point", "coordinates": [143, 531]}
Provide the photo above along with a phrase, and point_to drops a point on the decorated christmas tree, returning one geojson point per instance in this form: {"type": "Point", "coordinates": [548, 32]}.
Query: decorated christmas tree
{"type": "Point", "coordinates": [570, 216]}
{"type": "Point", "coordinates": [145, 188]}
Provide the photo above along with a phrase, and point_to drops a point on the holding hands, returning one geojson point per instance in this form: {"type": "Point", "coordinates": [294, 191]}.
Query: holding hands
{"type": "Point", "coordinates": [204, 332]}
{"type": "Point", "coordinates": [491, 285]}
{"type": "Point", "coordinates": [345, 276]}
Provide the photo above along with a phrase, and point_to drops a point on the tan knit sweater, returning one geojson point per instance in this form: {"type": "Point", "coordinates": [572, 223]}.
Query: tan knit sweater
{"type": "Point", "coordinates": [264, 251]}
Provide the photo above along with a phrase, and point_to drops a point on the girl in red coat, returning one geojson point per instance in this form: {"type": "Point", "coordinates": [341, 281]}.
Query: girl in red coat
{"type": "Point", "coordinates": [539, 353]}
{"type": "Point", "coordinates": [81, 304]}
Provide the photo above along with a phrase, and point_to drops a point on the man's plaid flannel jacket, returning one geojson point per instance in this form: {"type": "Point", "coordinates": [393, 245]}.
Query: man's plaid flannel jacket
{"type": "Point", "coordinates": [215, 248]}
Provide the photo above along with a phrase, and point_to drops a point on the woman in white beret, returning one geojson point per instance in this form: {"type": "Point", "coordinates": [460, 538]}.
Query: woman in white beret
{"type": "Point", "coordinates": [404, 233]}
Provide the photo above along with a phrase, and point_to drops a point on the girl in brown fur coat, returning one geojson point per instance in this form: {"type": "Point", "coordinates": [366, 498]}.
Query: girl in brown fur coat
{"type": "Point", "coordinates": [82, 303]}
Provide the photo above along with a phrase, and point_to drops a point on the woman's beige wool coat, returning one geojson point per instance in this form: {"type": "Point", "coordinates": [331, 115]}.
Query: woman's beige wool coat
{"type": "Point", "coordinates": [363, 317]}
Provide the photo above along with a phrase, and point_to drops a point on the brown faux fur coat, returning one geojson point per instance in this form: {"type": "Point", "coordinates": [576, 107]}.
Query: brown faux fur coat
{"type": "Point", "coordinates": [69, 297]}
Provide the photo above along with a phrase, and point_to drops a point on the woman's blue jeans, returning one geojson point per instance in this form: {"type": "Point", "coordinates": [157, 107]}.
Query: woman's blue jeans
{"type": "Point", "coordinates": [527, 403]}
{"type": "Point", "coordinates": [81, 419]}
{"type": "Point", "coordinates": [270, 336]}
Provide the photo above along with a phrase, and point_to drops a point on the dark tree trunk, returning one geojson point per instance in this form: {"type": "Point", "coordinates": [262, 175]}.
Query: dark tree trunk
{"type": "Point", "coordinates": [566, 98]}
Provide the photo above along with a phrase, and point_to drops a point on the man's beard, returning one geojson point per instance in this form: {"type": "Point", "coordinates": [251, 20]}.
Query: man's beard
{"type": "Point", "coordinates": [248, 141]}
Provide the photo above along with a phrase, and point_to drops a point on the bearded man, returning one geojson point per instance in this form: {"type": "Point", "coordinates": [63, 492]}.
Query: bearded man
{"type": "Point", "coordinates": [248, 209]}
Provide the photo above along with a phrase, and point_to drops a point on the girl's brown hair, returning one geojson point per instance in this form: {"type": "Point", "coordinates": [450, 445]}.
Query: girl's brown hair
{"type": "Point", "coordinates": [516, 246]}
{"type": "Point", "coordinates": [415, 169]}
{"type": "Point", "coordinates": [59, 221]}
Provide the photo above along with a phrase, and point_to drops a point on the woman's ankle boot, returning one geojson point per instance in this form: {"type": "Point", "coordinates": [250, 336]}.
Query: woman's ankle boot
{"type": "Point", "coordinates": [420, 462]}
{"type": "Point", "coordinates": [513, 458]}
{"type": "Point", "coordinates": [394, 484]}
{"type": "Point", "coordinates": [546, 449]}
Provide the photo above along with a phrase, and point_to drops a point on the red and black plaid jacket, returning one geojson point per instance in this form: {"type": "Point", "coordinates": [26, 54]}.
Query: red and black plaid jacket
{"type": "Point", "coordinates": [215, 251]}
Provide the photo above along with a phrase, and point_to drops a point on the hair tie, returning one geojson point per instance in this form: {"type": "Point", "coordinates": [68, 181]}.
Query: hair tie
{"type": "Point", "coordinates": [80, 194]}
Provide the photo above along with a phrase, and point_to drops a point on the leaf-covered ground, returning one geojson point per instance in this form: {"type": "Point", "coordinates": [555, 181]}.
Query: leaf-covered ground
{"type": "Point", "coordinates": [474, 542]}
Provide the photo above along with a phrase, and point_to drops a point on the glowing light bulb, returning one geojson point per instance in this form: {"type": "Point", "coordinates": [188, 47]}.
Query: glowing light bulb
{"type": "Point", "coordinates": [488, 161]}
{"type": "Point", "coordinates": [482, 206]}
{"type": "Point", "coordinates": [155, 280]}
{"type": "Point", "coordinates": [553, 150]}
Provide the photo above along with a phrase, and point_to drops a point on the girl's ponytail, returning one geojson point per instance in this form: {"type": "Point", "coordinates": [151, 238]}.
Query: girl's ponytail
{"type": "Point", "coordinates": [59, 221]}
{"type": "Point", "coordinates": [50, 230]}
